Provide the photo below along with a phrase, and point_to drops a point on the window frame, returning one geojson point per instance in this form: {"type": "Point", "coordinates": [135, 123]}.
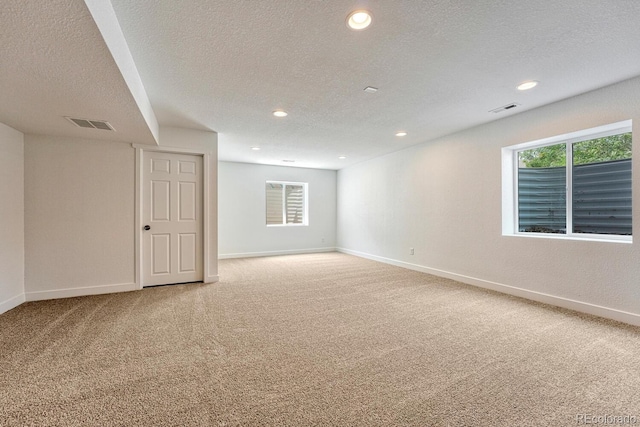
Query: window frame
{"type": "Point", "coordinates": [510, 162]}
{"type": "Point", "coordinates": [305, 189]}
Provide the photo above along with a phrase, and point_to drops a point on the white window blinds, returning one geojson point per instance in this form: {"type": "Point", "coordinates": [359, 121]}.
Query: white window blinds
{"type": "Point", "coordinates": [274, 203]}
{"type": "Point", "coordinates": [286, 203]}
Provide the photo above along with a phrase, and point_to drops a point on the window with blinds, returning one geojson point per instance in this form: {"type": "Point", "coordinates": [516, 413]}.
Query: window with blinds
{"type": "Point", "coordinates": [286, 203]}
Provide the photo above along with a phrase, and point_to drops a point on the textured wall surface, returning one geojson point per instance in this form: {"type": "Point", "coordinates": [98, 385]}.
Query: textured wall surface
{"type": "Point", "coordinates": [11, 218]}
{"type": "Point", "coordinates": [242, 205]}
{"type": "Point", "coordinates": [443, 198]}
{"type": "Point", "coordinates": [79, 215]}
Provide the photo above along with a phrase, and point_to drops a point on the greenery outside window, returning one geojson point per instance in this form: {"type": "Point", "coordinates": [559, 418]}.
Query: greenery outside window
{"type": "Point", "coordinates": [286, 203]}
{"type": "Point", "coordinates": [577, 185]}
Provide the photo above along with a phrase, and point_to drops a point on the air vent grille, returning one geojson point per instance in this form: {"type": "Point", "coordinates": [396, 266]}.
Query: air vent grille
{"type": "Point", "coordinates": [505, 108]}
{"type": "Point", "coordinates": [91, 124]}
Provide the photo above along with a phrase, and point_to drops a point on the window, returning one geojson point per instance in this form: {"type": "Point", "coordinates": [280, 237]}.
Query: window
{"type": "Point", "coordinates": [576, 185]}
{"type": "Point", "coordinates": [286, 203]}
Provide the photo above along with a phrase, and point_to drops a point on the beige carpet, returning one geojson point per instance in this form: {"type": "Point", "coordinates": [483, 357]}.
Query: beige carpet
{"type": "Point", "coordinates": [321, 339]}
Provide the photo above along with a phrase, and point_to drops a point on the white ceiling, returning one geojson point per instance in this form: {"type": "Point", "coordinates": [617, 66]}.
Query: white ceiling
{"type": "Point", "coordinates": [54, 63]}
{"type": "Point", "coordinates": [222, 65]}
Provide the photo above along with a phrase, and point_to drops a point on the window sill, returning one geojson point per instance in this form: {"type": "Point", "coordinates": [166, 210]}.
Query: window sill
{"type": "Point", "coordinates": [587, 238]}
{"type": "Point", "coordinates": [287, 225]}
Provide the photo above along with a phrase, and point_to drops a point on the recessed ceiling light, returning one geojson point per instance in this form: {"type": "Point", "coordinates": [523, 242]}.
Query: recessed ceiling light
{"type": "Point", "coordinates": [370, 89]}
{"type": "Point", "coordinates": [359, 19]}
{"type": "Point", "coordinates": [527, 85]}
{"type": "Point", "coordinates": [280, 113]}
{"type": "Point", "coordinates": [401, 133]}
{"type": "Point", "coordinates": [255, 148]}
{"type": "Point", "coordinates": [342, 157]}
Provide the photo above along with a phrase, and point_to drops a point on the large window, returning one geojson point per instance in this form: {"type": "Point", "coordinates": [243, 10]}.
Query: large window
{"type": "Point", "coordinates": [286, 203]}
{"type": "Point", "coordinates": [577, 185]}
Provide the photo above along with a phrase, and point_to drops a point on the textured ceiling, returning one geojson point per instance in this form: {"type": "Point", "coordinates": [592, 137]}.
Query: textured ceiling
{"type": "Point", "coordinates": [222, 65]}
{"type": "Point", "coordinates": [54, 63]}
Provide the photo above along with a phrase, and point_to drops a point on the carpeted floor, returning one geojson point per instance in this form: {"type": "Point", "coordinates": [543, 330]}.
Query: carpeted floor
{"type": "Point", "coordinates": [320, 339]}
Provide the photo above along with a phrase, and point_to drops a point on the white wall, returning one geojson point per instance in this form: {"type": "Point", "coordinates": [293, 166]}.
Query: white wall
{"type": "Point", "coordinates": [80, 212]}
{"type": "Point", "coordinates": [241, 211]}
{"type": "Point", "coordinates": [11, 218]}
{"type": "Point", "coordinates": [79, 216]}
{"type": "Point", "coordinates": [443, 198]}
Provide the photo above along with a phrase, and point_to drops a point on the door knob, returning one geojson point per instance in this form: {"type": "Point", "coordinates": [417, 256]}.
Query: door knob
{"type": "Point", "coordinates": [147, 227]}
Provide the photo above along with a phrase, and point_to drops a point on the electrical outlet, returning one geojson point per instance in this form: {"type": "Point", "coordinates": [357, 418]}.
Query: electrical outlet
{"type": "Point", "coordinates": [410, 251]}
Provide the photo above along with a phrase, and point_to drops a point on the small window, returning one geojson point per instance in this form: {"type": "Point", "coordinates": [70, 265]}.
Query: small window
{"type": "Point", "coordinates": [286, 203]}
{"type": "Point", "coordinates": [577, 185]}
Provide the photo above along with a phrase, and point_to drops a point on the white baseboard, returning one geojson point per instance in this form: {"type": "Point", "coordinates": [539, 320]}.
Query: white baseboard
{"type": "Point", "coordinates": [78, 292]}
{"type": "Point", "coordinates": [276, 253]}
{"type": "Point", "coordinates": [583, 307]}
{"type": "Point", "coordinates": [212, 279]}
{"type": "Point", "coordinates": [11, 303]}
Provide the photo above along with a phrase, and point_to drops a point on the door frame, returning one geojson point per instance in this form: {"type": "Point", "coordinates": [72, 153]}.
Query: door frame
{"type": "Point", "coordinates": [206, 207]}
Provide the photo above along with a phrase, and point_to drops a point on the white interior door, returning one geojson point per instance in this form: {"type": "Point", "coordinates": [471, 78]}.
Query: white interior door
{"type": "Point", "coordinates": [172, 195]}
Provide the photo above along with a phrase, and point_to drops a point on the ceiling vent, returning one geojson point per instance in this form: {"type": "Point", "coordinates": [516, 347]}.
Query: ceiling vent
{"type": "Point", "coordinates": [91, 124]}
{"type": "Point", "coordinates": [505, 108]}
